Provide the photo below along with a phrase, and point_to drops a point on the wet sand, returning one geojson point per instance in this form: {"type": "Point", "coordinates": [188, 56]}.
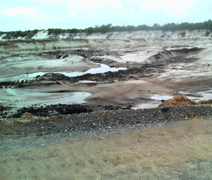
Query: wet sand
{"type": "Point", "coordinates": [136, 89]}
{"type": "Point", "coordinates": [177, 150]}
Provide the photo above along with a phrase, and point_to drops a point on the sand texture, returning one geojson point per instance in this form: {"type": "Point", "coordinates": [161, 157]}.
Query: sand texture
{"type": "Point", "coordinates": [177, 150]}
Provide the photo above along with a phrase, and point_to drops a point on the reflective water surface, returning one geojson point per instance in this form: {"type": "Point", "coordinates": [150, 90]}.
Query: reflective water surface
{"type": "Point", "coordinates": [101, 69]}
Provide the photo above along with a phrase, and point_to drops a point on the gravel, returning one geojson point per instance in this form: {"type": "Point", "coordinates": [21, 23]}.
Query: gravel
{"type": "Point", "coordinates": [98, 122]}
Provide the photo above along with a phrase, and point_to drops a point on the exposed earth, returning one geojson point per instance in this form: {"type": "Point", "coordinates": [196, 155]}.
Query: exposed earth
{"type": "Point", "coordinates": [101, 106]}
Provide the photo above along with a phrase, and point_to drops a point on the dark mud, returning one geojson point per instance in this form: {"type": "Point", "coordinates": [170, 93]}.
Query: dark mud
{"type": "Point", "coordinates": [63, 109]}
{"type": "Point", "coordinates": [56, 78]}
{"type": "Point", "coordinates": [135, 73]}
{"type": "Point", "coordinates": [55, 110]}
{"type": "Point", "coordinates": [108, 77]}
{"type": "Point", "coordinates": [154, 67]}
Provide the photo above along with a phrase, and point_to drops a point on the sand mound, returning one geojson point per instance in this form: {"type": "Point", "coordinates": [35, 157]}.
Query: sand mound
{"type": "Point", "coordinates": [26, 116]}
{"type": "Point", "coordinates": [178, 100]}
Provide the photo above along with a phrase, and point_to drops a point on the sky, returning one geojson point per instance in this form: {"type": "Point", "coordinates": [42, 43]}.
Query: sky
{"type": "Point", "coordinates": [67, 14]}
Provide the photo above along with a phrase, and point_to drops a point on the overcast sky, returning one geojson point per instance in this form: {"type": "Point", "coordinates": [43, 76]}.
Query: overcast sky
{"type": "Point", "coordinates": [68, 14]}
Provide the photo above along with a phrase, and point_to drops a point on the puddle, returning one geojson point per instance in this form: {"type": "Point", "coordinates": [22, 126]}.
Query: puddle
{"type": "Point", "coordinates": [159, 97]}
{"type": "Point", "coordinates": [196, 96]}
{"type": "Point", "coordinates": [202, 95]}
{"type": "Point", "coordinates": [23, 98]}
{"type": "Point", "coordinates": [149, 105]}
{"type": "Point", "coordinates": [102, 69]}
{"type": "Point", "coordinates": [205, 95]}
{"type": "Point", "coordinates": [155, 100]}
{"type": "Point", "coordinates": [27, 97]}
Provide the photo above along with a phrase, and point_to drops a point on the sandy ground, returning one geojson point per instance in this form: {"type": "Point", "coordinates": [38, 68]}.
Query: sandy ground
{"type": "Point", "coordinates": [191, 76]}
{"type": "Point", "coordinates": [117, 93]}
{"type": "Point", "coordinates": [179, 150]}
{"type": "Point", "coordinates": [138, 93]}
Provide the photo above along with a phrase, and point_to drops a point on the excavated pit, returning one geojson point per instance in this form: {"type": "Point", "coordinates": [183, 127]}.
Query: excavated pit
{"type": "Point", "coordinates": [162, 63]}
{"type": "Point", "coordinates": [144, 74]}
{"type": "Point", "coordinates": [116, 124]}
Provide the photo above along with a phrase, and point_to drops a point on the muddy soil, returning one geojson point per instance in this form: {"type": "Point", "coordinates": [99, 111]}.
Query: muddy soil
{"type": "Point", "coordinates": [133, 87]}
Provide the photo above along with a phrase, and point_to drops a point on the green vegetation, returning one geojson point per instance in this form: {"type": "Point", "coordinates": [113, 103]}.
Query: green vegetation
{"type": "Point", "coordinates": [166, 27]}
{"type": "Point", "coordinates": [59, 31]}
{"type": "Point", "coordinates": [15, 34]}
{"type": "Point", "coordinates": [109, 28]}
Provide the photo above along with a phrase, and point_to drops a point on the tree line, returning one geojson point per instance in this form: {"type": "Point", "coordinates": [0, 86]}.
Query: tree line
{"type": "Point", "coordinates": [166, 27]}
{"type": "Point", "coordinates": [110, 28]}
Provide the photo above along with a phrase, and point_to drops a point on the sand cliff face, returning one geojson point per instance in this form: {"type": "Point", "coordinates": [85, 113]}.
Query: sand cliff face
{"type": "Point", "coordinates": [118, 40]}
{"type": "Point", "coordinates": [149, 36]}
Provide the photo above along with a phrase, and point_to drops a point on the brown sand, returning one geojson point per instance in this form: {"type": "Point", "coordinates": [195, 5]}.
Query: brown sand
{"type": "Point", "coordinates": [179, 100]}
{"type": "Point", "coordinates": [176, 150]}
{"type": "Point", "coordinates": [26, 116]}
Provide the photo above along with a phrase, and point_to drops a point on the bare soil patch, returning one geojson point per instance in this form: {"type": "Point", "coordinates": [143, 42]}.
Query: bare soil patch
{"type": "Point", "coordinates": [179, 150]}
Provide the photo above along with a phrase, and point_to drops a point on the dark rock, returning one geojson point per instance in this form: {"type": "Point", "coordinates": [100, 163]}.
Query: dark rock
{"type": "Point", "coordinates": [52, 77]}
{"type": "Point", "coordinates": [164, 109]}
{"type": "Point", "coordinates": [59, 56]}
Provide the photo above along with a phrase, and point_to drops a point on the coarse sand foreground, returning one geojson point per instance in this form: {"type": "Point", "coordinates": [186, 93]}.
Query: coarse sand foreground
{"type": "Point", "coordinates": [177, 150]}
